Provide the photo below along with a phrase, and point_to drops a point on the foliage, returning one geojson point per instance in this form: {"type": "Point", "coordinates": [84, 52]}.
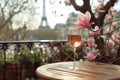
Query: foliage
{"type": "Point", "coordinates": [68, 53]}
{"type": "Point", "coordinates": [25, 57]}
{"type": "Point", "coordinates": [48, 34]}
{"type": "Point", "coordinates": [44, 34]}
{"type": "Point", "coordinates": [6, 61]}
{"type": "Point", "coordinates": [1, 59]}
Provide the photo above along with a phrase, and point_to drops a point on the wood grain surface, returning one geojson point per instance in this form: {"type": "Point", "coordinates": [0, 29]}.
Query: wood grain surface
{"type": "Point", "coordinates": [84, 71]}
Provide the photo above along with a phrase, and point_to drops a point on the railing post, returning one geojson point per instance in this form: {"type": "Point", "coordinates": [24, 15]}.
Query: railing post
{"type": "Point", "coordinates": [18, 50]}
{"type": "Point", "coordinates": [4, 47]}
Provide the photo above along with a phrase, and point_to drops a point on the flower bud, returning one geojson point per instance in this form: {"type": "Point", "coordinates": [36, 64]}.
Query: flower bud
{"type": "Point", "coordinates": [114, 25]}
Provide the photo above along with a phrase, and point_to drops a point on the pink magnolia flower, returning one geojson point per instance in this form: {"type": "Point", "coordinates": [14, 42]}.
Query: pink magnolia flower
{"type": "Point", "coordinates": [88, 49]}
{"type": "Point", "coordinates": [95, 31]}
{"type": "Point", "coordinates": [115, 51]}
{"type": "Point", "coordinates": [83, 20]}
{"type": "Point", "coordinates": [110, 32]}
{"type": "Point", "coordinates": [110, 44]}
{"type": "Point", "coordinates": [114, 24]}
{"type": "Point", "coordinates": [112, 12]}
{"type": "Point", "coordinates": [67, 3]}
{"type": "Point", "coordinates": [91, 57]}
{"type": "Point", "coordinates": [90, 42]}
{"type": "Point", "coordinates": [108, 18]}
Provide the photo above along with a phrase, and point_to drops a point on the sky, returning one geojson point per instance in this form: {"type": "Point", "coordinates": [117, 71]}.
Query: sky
{"type": "Point", "coordinates": [55, 13]}
{"type": "Point", "coordinates": [62, 11]}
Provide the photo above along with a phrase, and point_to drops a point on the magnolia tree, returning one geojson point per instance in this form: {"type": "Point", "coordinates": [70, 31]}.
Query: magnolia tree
{"type": "Point", "coordinates": [103, 28]}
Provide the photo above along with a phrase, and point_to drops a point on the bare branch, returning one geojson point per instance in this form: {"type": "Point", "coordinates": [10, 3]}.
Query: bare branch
{"type": "Point", "coordinates": [106, 9]}
{"type": "Point", "coordinates": [12, 13]}
{"type": "Point", "coordinates": [85, 7]}
{"type": "Point", "coordinates": [75, 5]}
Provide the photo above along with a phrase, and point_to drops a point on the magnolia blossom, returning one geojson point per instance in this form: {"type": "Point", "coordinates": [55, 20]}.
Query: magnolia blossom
{"type": "Point", "coordinates": [91, 57]}
{"type": "Point", "coordinates": [114, 50]}
{"type": "Point", "coordinates": [88, 49]}
{"type": "Point", "coordinates": [110, 44]}
{"type": "Point", "coordinates": [67, 3]}
{"type": "Point", "coordinates": [99, 7]}
{"type": "Point", "coordinates": [92, 54]}
{"type": "Point", "coordinates": [83, 20]}
{"type": "Point", "coordinates": [116, 38]}
{"type": "Point", "coordinates": [112, 12]}
{"type": "Point", "coordinates": [94, 33]}
{"type": "Point", "coordinates": [90, 42]}
{"type": "Point", "coordinates": [108, 18]}
{"type": "Point", "coordinates": [114, 25]}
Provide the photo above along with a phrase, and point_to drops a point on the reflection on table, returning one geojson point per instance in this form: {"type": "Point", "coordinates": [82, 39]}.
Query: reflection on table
{"type": "Point", "coordinates": [85, 71]}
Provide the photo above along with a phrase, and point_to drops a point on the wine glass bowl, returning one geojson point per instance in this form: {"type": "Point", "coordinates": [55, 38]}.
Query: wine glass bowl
{"type": "Point", "coordinates": [74, 40]}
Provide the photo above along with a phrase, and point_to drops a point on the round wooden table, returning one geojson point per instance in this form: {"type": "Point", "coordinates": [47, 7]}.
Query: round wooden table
{"type": "Point", "coordinates": [85, 71]}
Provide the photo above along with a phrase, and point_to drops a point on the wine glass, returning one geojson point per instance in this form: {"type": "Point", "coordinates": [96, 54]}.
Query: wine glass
{"type": "Point", "coordinates": [74, 40]}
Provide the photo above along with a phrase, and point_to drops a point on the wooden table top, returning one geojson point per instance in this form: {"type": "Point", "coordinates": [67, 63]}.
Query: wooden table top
{"type": "Point", "coordinates": [85, 71]}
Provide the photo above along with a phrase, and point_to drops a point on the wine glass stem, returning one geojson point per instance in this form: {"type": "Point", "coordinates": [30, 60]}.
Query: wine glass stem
{"type": "Point", "coordinates": [74, 59]}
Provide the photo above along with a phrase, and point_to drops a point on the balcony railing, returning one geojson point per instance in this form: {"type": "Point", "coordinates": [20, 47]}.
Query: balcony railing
{"type": "Point", "coordinates": [27, 53]}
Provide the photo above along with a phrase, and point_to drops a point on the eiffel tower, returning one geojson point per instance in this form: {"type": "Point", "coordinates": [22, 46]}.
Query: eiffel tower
{"type": "Point", "coordinates": [44, 18]}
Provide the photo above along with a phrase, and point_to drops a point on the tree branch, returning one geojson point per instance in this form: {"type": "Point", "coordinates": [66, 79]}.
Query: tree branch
{"type": "Point", "coordinates": [85, 7]}
{"type": "Point", "coordinates": [77, 8]}
{"type": "Point", "coordinates": [106, 8]}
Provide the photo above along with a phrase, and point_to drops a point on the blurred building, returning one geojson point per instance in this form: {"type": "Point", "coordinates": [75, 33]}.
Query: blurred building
{"type": "Point", "coordinates": [61, 29]}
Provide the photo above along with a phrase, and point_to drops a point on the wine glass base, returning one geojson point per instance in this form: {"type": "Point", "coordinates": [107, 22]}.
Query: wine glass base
{"type": "Point", "coordinates": [74, 68]}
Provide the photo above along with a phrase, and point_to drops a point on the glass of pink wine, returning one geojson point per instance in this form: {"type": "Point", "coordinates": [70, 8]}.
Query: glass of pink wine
{"type": "Point", "coordinates": [74, 40]}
